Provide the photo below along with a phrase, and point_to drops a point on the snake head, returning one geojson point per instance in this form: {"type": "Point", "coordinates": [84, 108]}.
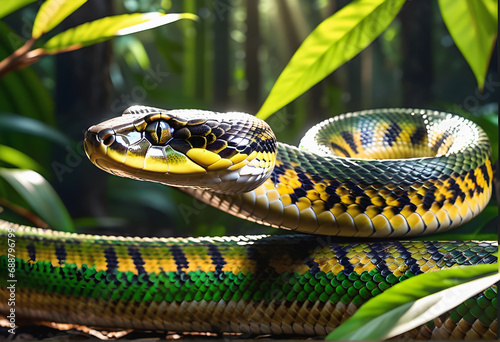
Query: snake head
{"type": "Point", "coordinates": [225, 153]}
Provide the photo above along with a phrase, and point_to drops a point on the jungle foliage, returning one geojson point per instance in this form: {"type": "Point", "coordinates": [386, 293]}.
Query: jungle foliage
{"type": "Point", "coordinates": [223, 60]}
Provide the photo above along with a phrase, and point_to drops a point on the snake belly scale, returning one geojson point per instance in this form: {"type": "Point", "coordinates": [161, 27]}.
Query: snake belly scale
{"type": "Point", "coordinates": [374, 174]}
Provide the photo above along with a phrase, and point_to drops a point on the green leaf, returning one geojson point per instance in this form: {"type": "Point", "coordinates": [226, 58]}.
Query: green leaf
{"type": "Point", "coordinates": [11, 6]}
{"type": "Point", "coordinates": [133, 52]}
{"type": "Point", "coordinates": [473, 25]}
{"type": "Point", "coordinates": [335, 41]}
{"type": "Point", "coordinates": [20, 160]}
{"type": "Point", "coordinates": [40, 195]}
{"type": "Point", "coordinates": [51, 13]}
{"type": "Point", "coordinates": [23, 84]}
{"type": "Point", "coordinates": [20, 124]}
{"type": "Point", "coordinates": [415, 301]}
{"type": "Point", "coordinates": [23, 93]}
{"type": "Point", "coordinates": [103, 29]}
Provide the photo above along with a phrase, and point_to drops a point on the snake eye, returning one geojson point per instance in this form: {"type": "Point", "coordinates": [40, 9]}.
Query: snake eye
{"type": "Point", "coordinates": [159, 132]}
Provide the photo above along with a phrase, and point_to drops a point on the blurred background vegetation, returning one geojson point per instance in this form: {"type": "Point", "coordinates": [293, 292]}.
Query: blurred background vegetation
{"type": "Point", "coordinates": [227, 60]}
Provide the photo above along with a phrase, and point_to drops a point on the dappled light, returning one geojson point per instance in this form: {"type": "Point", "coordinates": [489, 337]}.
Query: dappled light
{"type": "Point", "coordinates": [249, 169]}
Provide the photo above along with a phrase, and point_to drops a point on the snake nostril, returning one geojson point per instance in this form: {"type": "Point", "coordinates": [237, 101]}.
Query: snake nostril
{"type": "Point", "coordinates": [109, 140]}
{"type": "Point", "coordinates": [107, 136]}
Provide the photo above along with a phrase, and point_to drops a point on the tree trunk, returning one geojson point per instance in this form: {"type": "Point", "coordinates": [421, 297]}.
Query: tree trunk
{"type": "Point", "coordinates": [83, 98]}
{"type": "Point", "coordinates": [252, 67]}
{"type": "Point", "coordinates": [416, 23]}
{"type": "Point", "coordinates": [221, 55]}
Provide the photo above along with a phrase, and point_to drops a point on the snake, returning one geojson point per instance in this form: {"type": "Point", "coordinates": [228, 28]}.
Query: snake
{"type": "Point", "coordinates": [355, 190]}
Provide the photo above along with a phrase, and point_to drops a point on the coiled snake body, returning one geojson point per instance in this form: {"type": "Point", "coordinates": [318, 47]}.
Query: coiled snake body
{"type": "Point", "coordinates": [373, 174]}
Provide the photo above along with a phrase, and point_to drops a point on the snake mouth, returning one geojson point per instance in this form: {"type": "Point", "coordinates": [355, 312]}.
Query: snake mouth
{"type": "Point", "coordinates": [91, 144]}
{"type": "Point", "coordinates": [116, 153]}
{"type": "Point", "coordinates": [101, 156]}
{"type": "Point", "coordinates": [96, 143]}
{"type": "Point", "coordinates": [95, 149]}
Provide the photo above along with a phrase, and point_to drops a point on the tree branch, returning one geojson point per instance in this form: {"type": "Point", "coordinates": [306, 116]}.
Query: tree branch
{"type": "Point", "coordinates": [21, 58]}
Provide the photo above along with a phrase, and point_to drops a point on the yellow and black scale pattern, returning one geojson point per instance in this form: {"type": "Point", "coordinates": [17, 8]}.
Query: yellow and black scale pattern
{"type": "Point", "coordinates": [292, 285]}
{"type": "Point", "coordinates": [379, 173]}
{"type": "Point", "coordinates": [230, 153]}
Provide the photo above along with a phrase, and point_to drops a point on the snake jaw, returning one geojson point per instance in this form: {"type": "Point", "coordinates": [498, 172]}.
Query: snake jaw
{"type": "Point", "coordinates": [92, 145]}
